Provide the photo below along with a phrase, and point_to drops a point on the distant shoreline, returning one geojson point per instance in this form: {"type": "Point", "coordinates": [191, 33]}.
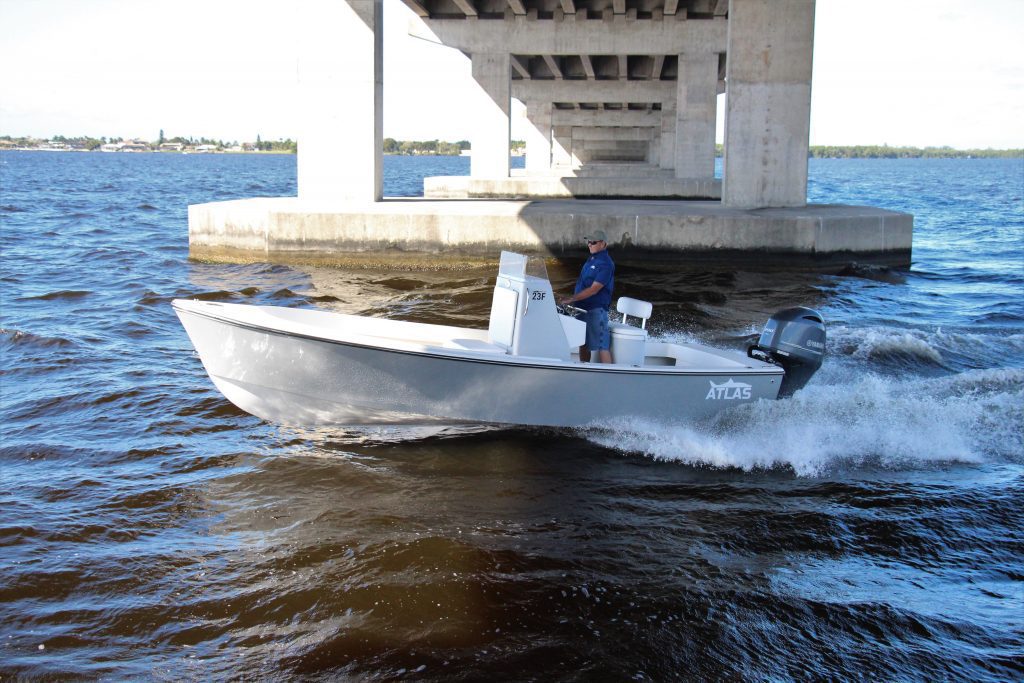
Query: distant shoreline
{"type": "Point", "coordinates": [439, 148]}
{"type": "Point", "coordinates": [144, 151]}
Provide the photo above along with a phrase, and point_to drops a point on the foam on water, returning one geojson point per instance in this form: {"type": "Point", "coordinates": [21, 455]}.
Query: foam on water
{"type": "Point", "coordinates": [848, 422]}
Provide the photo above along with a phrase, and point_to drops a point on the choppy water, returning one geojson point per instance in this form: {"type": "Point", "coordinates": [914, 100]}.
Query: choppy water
{"type": "Point", "coordinates": [870, 527]}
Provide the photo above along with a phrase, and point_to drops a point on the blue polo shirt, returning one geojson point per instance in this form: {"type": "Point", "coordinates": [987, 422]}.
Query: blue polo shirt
{"type": "Point", "coordinates": [598, 268]}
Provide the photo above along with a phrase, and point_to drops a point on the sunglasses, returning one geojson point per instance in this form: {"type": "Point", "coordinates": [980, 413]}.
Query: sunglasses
{"type": "Point", "coordinates": [592, 243]}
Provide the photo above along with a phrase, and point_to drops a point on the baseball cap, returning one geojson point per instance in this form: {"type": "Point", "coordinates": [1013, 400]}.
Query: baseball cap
{"type": "Point", "coordinates": [596, 236]}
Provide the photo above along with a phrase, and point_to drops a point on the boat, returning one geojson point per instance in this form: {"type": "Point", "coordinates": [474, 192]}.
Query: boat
{"type": "Point", "coordinates": [305, 367]}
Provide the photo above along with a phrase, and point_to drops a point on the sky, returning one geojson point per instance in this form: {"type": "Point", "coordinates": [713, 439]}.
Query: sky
{"type": "Point", "coordinates": [912, 72]}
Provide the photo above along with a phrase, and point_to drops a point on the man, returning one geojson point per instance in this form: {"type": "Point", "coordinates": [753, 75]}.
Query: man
{"type": "Point", "coordinates": [594, 295]}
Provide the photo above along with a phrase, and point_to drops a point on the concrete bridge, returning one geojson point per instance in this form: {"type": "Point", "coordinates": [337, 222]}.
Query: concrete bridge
{"type": "Point", "coordinates": [620, 102]}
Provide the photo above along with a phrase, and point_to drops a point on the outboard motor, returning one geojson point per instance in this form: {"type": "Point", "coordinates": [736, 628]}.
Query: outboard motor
{"type": "Point", "coordinates": [794, 339]}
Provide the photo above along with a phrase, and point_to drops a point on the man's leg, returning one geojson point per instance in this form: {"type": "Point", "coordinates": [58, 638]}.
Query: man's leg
{"type": "Point", "coordinates": [593, 341]}
{"type": "Point", "coordinates": [604, 340]}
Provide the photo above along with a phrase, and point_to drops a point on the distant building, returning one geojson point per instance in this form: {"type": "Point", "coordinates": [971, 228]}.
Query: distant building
{"type": "Point", "coordinates": [171, 147]}
{"type": "Point", "coordinates": [111, 147]}
{"type": "Point", "coordinates": [206, 148]}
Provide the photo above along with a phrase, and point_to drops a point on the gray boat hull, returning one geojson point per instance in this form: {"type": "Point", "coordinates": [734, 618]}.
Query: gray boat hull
{"type": "Point", "coordinates": [292, 373]}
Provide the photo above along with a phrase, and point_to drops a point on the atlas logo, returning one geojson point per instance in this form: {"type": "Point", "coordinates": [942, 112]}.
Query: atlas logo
{"type": "Point", "coordinates": [728, 391]}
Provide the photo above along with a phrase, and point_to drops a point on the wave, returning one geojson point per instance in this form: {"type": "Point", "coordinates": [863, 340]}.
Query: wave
{"type": "Point", "coordinates": [875, 343]}
{"type": "Point", "coordinates": [998, 317]}
{"type": "Point", "coordinates": [61, 294]}
{"type": "Point", "coordinates": [273, 269]}
{"type": "Point", "coordinates": [150, 298]}
{"type": "Point", "coordinates": [934, 347]}
{"type": "Point", "coordinates": [868, 271]}
{"type": "Point", "coordinates": [872, 421]}
{"type": "Point", "coordinates": [400, 283]}
{"type": "Point", "coordinates": [20, 337]}
{"type": "Point", "coordinates": [332, 439]}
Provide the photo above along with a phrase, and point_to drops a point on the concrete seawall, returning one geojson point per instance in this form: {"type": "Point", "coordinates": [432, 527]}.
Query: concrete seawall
{"type": "Point", "coordinates": [419, 232]}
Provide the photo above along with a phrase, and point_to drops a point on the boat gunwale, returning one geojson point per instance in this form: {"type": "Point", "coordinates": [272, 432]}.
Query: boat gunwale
{"type": "Point", "coordinates": [490, 358]}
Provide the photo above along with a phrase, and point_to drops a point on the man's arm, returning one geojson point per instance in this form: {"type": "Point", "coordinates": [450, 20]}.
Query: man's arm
{"type": "Point", "coordinates": [584, 294]}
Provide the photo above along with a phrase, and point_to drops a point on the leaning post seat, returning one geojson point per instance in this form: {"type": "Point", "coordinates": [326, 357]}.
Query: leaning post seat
{"type": "Point", "coordinates": [635, 307]}
{"type": "Point", "coordinates": [628, 342]}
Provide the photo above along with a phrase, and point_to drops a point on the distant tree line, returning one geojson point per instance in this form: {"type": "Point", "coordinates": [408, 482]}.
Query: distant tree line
{"type": "Point", "coordinates": [83, 142]}
{"type": "Point", "coordinates": [887, 152]}
{"type": "Point", "coordinates": [287, 145]}
{"type": "Point", "coordinates": [434, 147]}
{"type": "Point", "coordinates": [90, 143]}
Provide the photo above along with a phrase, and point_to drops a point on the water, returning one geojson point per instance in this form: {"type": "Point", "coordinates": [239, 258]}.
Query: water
{"type": "Point", "coordinates": [869, 527]}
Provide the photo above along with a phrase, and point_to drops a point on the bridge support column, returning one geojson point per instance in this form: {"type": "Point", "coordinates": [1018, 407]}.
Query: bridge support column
{"type": "Point", "coordinates": [768, 103]}
{"type": "Point", "coordinates": [538, 138]}
{"type": "Point", "coordinates": [561, 148]}
{"type": "Point", "coordinates": [696, 104]}
{"type": "Point", "coordinates": [490, 105]}
{"type": "Point", "coordinates": [667, 144]}
{"type": "Point", "coordinates": [341, 85]}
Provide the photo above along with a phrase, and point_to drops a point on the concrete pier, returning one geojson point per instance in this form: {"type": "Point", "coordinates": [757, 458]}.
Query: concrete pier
{"type": "Point", "coordinates": [448, 233]}
{"type": "Point", "coordinates": [620, 104]}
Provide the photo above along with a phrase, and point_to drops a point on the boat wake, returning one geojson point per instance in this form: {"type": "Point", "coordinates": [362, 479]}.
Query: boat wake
{"type": "Point", "coordinates": [843, 422]}
{"type": "Point", "coordinates": [903, 348]}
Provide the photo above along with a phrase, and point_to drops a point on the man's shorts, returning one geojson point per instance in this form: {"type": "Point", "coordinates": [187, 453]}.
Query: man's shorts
{"type": "Point", "coordinates": [598, 336]}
